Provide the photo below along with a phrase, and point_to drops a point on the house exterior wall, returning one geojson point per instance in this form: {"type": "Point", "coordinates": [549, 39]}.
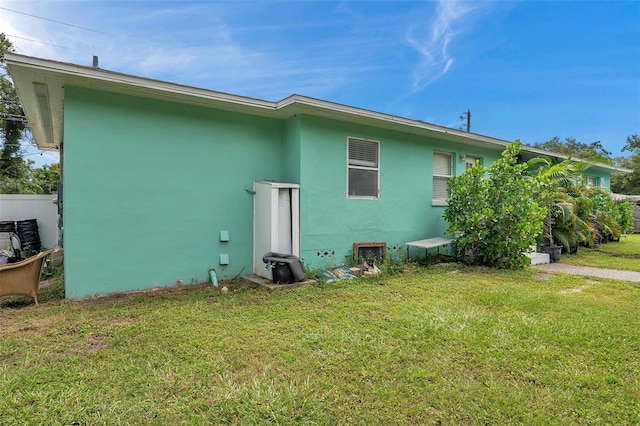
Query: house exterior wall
{"type": "Point", "coordinates": [604, 177]}
{"type": "Point", "coordinates": [291, 150]}
{"type": "Point", "coordinates": [149, 185]}
{"type": "Point", "coordinates": [331, 222]}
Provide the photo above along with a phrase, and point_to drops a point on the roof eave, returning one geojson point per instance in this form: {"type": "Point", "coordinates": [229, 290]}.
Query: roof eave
{"type": "Point", "coordinates": [35, 76]}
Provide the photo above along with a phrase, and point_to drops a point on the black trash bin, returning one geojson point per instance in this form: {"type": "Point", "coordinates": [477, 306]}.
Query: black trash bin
{"type": "Point", "coordinates": [8, 226]}
{"type": "Point", "coordinates": [285, 268]}
{"type": "Point", "coordinates": [29, 236]}
{"type": "Point", "coordinates": [282, 273]}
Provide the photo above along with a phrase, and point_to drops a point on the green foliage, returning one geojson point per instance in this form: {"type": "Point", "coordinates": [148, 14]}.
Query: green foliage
{"type": "Point", "coordinates": [576, 213]}
{"type": "Point", "coordinates": [12, 164]}
{"type": "Point", "coordinates": [392, 266]}
{"type": "Point", "coordinates": [628, 183]}
{"type": "Point", "coordinates": [624, 216]}
{"type": "Point", "coordinates": [493, 213]}
{"type": "Point", "coordinates": [593, 151]}
{"type": "Point", "coordinates": [555, 182]}
{"type": "Point", "coordinates": [34, 181]}
{"type": "Point", "coordinates": [47, 178]}
{"type": "Point", "coordinates": [603, 215]}
{"type": "Point", "coordinates": [621, 183]}
{"type": "Point", "coordinates": [56, 291]}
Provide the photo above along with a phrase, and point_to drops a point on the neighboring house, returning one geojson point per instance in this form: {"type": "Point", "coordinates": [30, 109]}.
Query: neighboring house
{"type": "Point", "coordinates": [161, 181]}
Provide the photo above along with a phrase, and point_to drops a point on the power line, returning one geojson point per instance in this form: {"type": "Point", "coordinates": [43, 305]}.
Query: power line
{"type": "Point", "coordinates": [54, 21]}
{"type": "Point", "coordinates": [44, 42]}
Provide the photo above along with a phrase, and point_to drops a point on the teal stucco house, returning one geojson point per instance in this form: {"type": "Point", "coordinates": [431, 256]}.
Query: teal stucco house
{"type": "Point", "coordinates": [162, 182]}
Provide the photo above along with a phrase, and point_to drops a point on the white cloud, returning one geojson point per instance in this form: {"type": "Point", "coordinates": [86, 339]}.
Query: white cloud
{"type": "Point", "coordinates": [432, 43]}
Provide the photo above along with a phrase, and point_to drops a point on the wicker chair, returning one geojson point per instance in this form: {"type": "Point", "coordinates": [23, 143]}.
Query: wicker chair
{"type": "Point", "coordinates": [23, 277]}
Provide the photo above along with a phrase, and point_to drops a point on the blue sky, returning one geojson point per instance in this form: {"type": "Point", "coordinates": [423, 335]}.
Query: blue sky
{"type": "Point", "coordinates": [527, 70]}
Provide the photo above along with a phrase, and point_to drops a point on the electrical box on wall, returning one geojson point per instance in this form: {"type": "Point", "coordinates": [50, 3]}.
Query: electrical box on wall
{"type": "Point", "coordinates": [224, 259]}
{"type": "Point", "coordinates": [224, 235]}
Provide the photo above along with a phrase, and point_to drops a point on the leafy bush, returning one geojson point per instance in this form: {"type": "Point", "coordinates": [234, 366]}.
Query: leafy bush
{"type": "Point", "coordinates": [624, 216]}
{"type": "Point", "coordinates": [604, 216]}
{"type": "Point", "coordinates": [493, 213]}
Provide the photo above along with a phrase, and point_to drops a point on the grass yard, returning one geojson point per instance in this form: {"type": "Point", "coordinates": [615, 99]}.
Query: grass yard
{"type": "Point", "coordinates": [441, 345]}
{"type": "Point", "coordinates": [624, 255]}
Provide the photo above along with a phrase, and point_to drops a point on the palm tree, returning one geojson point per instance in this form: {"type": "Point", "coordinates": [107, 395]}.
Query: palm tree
{"type": "Point", "coordinates": [554, 182]}
{"type": "Point", "coordinates": [576, 212]}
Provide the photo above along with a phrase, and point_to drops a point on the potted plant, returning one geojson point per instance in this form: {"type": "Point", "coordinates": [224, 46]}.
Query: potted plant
{"type": "Point", "coordinates": [548, 246]}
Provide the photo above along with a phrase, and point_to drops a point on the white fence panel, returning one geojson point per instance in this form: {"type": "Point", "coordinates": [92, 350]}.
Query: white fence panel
{"type": "Point", "coordinates": [40, 207]}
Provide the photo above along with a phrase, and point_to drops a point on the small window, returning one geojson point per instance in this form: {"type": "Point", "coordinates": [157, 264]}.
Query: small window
{"type": "Point", "coordinates": [469, 162]}
{"type": "Point", "coordinates": [442, 171]}
{"type": "Point", "coordinates": [363, 169]}
{"type": "Point", "coordinates": [592, 181]}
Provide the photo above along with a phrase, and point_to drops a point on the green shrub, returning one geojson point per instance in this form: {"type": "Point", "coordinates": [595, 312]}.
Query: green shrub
{"type": "Point", "coordinates": [493, 213]}
{"type": "Point", "coordinates": [624, 216]}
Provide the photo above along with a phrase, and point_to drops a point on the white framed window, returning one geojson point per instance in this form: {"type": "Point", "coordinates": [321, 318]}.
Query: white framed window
{"type": "Point", "coordinates": [592, 181]}
{"type": "Point", "coordinates": [469, 162]}
{"type": "Point", "coordinates": [363, 168]}
{"type": "Point", "coordinates": [442, 171]}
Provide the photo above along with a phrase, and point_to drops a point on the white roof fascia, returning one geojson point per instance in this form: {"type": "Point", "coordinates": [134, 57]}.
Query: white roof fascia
{"type": "Point", "coordinates": [464, 137]}
{"type": "Point", "coordinates": [60, 73]}
{"type": "Point", "coordinates": [77, 73]}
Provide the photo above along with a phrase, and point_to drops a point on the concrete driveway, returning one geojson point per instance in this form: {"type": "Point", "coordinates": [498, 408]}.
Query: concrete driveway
{"type": "Point", "coordinates": [590, 271]}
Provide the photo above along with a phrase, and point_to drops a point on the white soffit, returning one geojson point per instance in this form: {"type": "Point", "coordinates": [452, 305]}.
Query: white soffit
{"type": "Point", "coordinates": [42, 100]}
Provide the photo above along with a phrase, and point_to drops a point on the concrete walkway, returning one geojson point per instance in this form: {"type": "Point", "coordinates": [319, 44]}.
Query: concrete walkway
{"type": "Point", "coordinates": [591, 272]}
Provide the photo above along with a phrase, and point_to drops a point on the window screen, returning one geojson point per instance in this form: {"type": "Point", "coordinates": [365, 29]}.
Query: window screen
{"type": "Point", "coordinates": [441, 175]}
{"type": "Point", "coordinates": [363, 169]}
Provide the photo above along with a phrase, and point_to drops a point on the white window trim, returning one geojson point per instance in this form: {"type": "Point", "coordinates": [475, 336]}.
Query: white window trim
{"type": "Point", "coordinates": [441, 201]}
{"type": "Point", "coordinates": [597, 181]}
{"type": "Point", "coordinates": [350, 166]}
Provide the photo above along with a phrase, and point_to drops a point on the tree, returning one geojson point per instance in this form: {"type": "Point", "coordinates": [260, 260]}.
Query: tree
{"type": "Point", "coordinates": [16, 175]}
{"type": "Point", "coordinates": [593, 152]}
{"type": "Point", "coordinates": [552, 180]}
{"type": "Point", "coordinates": [12, 165]}
{"type": "Point", "coordinates": [625, 183]}
{"type": "Point", "coordinates": [47, 178]}
{"type": "Point", "coordinates": [493, 212]}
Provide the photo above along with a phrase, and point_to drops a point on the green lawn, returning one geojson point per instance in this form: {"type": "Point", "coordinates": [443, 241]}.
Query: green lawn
{"type": "Point", "coordinates": [624, 255]}
{"type": "Point", "coordinates": [443, 345]}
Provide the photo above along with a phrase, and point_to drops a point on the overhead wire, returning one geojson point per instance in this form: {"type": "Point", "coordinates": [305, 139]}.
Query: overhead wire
{"type": "Point", "coordinates": [55, 21]}
{"type": "Point", "coordinates": [14, 117]}
{"type": "Point", "coordinates": [31, 15]}
{"type": "Point", "coordinates": [44, 42]}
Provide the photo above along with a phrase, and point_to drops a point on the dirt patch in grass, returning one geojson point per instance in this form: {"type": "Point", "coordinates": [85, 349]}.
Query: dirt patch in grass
{"type": "Point", "coordinates": [541, 276]}
{"type": "Point", "coordinates": [33, 326]}
{"type": "Point", "coordinates": [624, 255]}
{"type": "Point", "coordinates": [156, 292]}
{"type": "Point", "coordinates": [124, 321]}
{"type": "Point", "coordinates": [577, 289]}
{"type": "Point", "coordinates": [93, 343]}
